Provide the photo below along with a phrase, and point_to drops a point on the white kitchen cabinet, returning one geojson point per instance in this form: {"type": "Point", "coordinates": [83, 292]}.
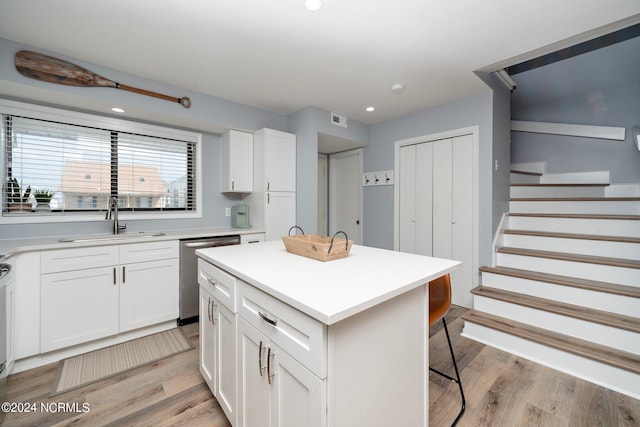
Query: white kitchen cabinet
{"type": "Point", "coordinates": [251, 238]}
{"type": "Point", "coordinates": [207, 338]}
{"type": "Point", "coordinates": [280, 214]}
{"type": "Point", "coordinates": [218, 336]}
{"type": "Point", "coordinates": [148, 293]}
{"type": "Point", "coordinates": [236, 157]}
{"type": "Point", "coordinates": [276, 151]}
{"type": "Point", "coordinates": [106, 294]}
{"type": "Point", "coordinates": [78, 306]}
{"type": "Point", "coordinates": [274, 389]}
{"type": "Point", "coordinates": [10, 325]}
{"type": "Point", "coordinates": [273, 201]}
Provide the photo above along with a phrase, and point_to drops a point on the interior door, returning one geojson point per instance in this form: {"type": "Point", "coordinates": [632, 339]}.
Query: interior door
{"type": "Point", "coordinates": [345, 193]}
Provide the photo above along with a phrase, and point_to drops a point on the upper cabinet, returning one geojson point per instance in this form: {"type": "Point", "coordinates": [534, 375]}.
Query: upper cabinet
{"type": "Point", "coordinates": [276, 151]}
{"type": "Point", "coordinates": [236, 154]}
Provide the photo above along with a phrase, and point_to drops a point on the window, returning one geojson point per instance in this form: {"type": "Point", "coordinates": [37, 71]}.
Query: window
{"type": "Point", "coordinates": [61, 167]}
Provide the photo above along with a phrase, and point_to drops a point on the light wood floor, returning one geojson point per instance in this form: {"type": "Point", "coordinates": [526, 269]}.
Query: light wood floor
{"type": "Point", "coordinates": [501, 390]}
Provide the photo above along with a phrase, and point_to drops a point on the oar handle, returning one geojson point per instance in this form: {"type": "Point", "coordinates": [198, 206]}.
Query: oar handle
{"type": "Point", "coordinates": [184, 101]}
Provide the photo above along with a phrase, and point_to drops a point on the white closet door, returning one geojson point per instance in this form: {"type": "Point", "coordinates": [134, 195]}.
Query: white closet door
{"type": "Point", "coordinates": [407, 199]}
{"type": "Point", "coordinates": [442, 198]}
{"type": "Point", "coordinates": [424, 200]}
{"type": "Point", "coordinates": [462, 221]}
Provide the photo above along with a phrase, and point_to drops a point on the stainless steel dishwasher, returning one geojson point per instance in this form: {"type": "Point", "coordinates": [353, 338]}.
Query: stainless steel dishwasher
{"type": "Point", "coordinates": [189, 289]}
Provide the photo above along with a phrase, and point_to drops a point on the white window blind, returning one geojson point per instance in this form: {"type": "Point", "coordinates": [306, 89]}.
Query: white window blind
{"type": "Point", "coordinates": [55, 168]}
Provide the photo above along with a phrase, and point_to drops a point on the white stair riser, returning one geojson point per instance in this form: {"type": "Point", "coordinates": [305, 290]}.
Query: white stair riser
{"type": "Point", "coordinates": [603, 273]}
{"type": "Point", "coordinates": [598, 177]}
{"type": "Point", "coordinates": [519, 178]}
{"type": "Point", "coordinates": [624, 250]}
{"type": "Point", "coordinates": [620, 304]}
{"type": "Point", "coordinates": [589, 370]}
{"type": "Point", "coordinates": [518, 191]}
{"type": "Point", "coordinates": [605, 227]}
{"type": "Point", "coordinates": [608, 207]}
{"type": "Point", "coordinates": [601, 334]}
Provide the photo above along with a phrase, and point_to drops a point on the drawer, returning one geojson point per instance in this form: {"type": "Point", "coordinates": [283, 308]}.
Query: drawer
{"type": "Point", "coordinates": [78, 258]}
{"type": "Point", "coordinates": [251, 238]}
{"type": "Point", "coordinates": [301, 336]}
{"type": "Point", "coordinates": [149, 251]}
{"type": "Point", "coordinates": [220, 283]}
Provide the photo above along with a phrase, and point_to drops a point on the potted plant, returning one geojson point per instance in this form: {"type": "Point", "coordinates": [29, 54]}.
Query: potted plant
{"type": "Point", "coordinates": [16, 200]}
{"type": "Point", "coordinates": [43, 197]}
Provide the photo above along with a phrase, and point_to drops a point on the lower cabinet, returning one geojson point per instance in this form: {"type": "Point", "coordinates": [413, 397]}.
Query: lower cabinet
{"type": "Point", "coordinates": [274, 389]}
{"type": "Point", "coordinates": [78, 306]}
{"type": "Point", "coordinates": [218, 350]}
{"type": "Point", "coordinates": [92, 293]}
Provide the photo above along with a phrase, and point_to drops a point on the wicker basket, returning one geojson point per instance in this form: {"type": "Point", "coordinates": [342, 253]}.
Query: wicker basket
{"type": "Point", "coordinates": [321, 248]}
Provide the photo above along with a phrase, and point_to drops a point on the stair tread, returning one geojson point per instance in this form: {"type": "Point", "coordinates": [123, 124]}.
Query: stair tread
{"type": "Point", "coordinates": [568, 184]}
{"type": "Point", "coordinates": [575, 311]}
{"type": "Point", "coordinates": [621, 359]}
{"type": "Point", "coordinates": [616, 262]}
{"type": "Point", "coordinates": [574, 236]}
{"type": "Point", "coordinates": [578, 216]}
{"type": "Point", "coordinates": [574, 199]}
{"type": "Point", "coordinates": [526, 172]}
{"type": "Point", "coordinates": [594, 285]}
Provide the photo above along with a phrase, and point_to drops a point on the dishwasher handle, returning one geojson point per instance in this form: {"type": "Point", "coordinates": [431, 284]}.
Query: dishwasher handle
{"type": "Point", "coordinates": [212, 244]}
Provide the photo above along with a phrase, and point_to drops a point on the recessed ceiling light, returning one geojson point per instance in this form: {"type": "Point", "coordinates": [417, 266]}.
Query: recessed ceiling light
{"type": "Point", "coordinates": [313, 5]}
{"type": "Point", "coordinates": [370, 109]}
{"type": "Point", "coordinates": [117, 110]}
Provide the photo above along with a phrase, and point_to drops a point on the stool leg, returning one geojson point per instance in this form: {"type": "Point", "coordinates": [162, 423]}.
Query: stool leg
{"type": "Point", "coordinates": [455, 367]}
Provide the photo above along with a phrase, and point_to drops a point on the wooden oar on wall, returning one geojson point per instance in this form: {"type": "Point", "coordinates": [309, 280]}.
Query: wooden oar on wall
{"type": "Point", "coordinates": [53, 70]}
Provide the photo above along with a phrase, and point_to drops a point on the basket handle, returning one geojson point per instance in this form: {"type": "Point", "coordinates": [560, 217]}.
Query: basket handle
{"type": "Point", "coordinates": [295, 226]}
{"type": "Point", "coordinates": [346, 243]}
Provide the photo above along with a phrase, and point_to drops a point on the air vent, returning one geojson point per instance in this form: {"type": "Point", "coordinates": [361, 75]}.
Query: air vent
{"type": "Point", "coordinates": [338, 120]}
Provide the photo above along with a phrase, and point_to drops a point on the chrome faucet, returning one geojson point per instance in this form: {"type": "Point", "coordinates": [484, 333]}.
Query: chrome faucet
{"type": "Point", "coordinates": [112, 211]}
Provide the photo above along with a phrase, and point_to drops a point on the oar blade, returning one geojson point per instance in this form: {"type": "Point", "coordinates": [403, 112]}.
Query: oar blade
{"type": "Point", "coordinates": [54, 70]}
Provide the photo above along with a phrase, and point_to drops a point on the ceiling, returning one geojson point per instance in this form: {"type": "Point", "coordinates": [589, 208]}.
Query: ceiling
{"type": "Point", "coordinates": [277, 56]}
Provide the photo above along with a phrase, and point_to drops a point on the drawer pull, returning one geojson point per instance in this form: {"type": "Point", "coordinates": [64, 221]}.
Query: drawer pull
{"type": "Point", "coordinates": [265, 317]}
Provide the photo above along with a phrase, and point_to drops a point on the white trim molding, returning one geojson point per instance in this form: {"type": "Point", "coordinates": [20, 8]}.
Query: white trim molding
{"type": "Point", "coordinates": [587, 131]}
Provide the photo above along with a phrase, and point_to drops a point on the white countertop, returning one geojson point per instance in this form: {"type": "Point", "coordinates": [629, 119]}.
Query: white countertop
{"type": "Point", "coordinates": [328, 291]}
{"type": "Point", "coordinates": [9, 247]}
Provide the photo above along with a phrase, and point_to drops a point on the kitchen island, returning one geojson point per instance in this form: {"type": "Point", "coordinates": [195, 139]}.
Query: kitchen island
{"type": "Point", "coordinates": [299, 342]}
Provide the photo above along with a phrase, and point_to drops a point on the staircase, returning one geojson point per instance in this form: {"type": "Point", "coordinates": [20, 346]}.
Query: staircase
{"type": "Point", "coordinates": [565, 288]}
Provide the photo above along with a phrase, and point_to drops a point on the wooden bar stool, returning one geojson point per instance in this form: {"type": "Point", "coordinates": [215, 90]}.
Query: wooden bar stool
{"type": "Point", "coordinates": [439, 303]}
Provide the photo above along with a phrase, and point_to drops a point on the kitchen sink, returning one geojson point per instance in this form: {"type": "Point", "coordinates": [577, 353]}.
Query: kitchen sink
{"type": "Point", "coordinates": [110, 237]}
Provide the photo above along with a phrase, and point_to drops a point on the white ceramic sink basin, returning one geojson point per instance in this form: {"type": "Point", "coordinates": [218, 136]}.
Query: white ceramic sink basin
{"type": "Point", "coordinates": [110, 237]}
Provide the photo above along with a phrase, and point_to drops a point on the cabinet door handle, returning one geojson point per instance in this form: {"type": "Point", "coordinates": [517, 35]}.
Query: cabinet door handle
{"type": "Point", "coordinates": [260, 367]}
{"type": "Point", "coordinates": [114, 276]}
{"type": "Point", "coordinates": [123, 274]}
{"type": "Point", "coordinates": [209, 309]}
{"type": "Point", "coordinates": [268, 185]}
{"type": "Point", "coordinates": [233, 184]}
{"type": "Point", "coordinates": [213, 311]}
{"type": "Point", "coordinates": [265, 317]}
{"type": "Point", "coordinates": [268, 198]}
{"type": "Point", "coordinates": [269, 358]}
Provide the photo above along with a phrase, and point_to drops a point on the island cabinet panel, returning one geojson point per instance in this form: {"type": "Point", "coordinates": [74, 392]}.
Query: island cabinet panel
{"type": "Point", "coordinates": [274, 389]}
{"type": "Point", "coordinates": [295, 332]}
{"type": "Point", "coordinates": [218, 335]}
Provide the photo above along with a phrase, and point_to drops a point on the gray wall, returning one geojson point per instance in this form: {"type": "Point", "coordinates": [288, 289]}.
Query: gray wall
{"type": "Point", "coordinates": [207, 114]}
{"type": "Point", "coordinates": [602, 88]}
{"type": "Point", "coordinates": [379, 155]}
{"type": "Point", "coordinates": [306, 124]}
